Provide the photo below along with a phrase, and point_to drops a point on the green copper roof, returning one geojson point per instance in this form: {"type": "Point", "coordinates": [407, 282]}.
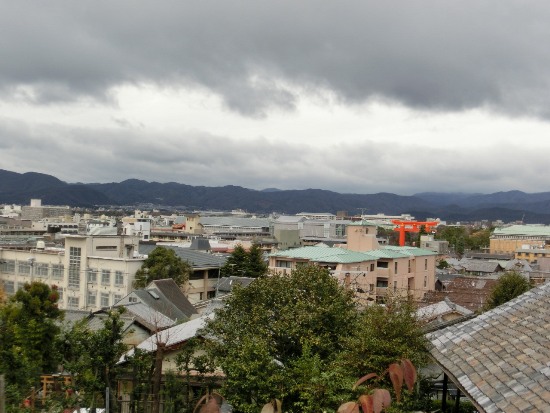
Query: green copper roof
{"type": "Point", "coordinates": [417, 252]}
{"type": "Point", "coordinates": [363, 223]}
{"type": "Point", "coordinates": [532, 230]}
{"type": "Point", "coordinates": [344, 256]}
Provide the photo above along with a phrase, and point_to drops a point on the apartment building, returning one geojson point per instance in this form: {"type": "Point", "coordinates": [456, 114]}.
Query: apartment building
{"type": "Point", "coordinates": [370, 270]}
{"type": "Point", "coordinates": [90, 272]}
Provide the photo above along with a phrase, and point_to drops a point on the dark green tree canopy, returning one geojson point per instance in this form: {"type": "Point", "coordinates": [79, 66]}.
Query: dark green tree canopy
{"type": "Point", "coordinates": [28, 330]}
{"type": "Point", "coordinates": [509, 286]}
{"type": "Point", "coordinates": [300, 338]}
{"type": "Point", "coordinates": [162, 263]}
{"type": "Point", "coordinates": [242, 263]}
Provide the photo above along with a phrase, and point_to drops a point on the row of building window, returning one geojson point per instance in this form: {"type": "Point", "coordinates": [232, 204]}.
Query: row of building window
{"type": "Point", "coordinates": [37, 269]}
{"type": "Point", "coordinates": [379, 264]}
{"type": "Point", "coordinates": [10, 287]}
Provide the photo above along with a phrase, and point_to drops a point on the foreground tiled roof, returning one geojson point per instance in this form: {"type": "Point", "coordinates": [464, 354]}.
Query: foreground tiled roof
{"type": "Point", "coordinates": [501, 359]}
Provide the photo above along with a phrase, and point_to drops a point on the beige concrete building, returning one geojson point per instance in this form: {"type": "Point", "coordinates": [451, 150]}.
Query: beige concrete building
{"type": "Point", "coordinates": [89, 272]}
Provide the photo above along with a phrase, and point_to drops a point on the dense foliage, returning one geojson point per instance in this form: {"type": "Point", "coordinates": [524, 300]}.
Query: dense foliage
{"type": "Point", "coordinates": [301, 339]}
{"type": "Point", "coordinates": [28, 332]}
{"type": "Point", "coordinates": [242, 263]}
{"type": "Point", "coordinates": [92, 355]}
{"type": "Point", "coordinates": [162, 263]}
{"type": "Point", "coordinates": [462, 238]}
{"type": "Point", "coordinates": [509, 286]}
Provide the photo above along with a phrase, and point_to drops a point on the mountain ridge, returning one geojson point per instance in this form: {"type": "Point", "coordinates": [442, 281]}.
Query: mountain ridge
{"type": "Point", "coordinates": [505, 205]}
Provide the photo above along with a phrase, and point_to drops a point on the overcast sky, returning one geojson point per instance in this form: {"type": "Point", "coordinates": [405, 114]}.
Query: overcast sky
{"type": "Point", "coordinates": [352, 96]}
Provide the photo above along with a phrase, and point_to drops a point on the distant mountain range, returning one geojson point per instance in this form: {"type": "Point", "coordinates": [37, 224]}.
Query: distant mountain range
{"type": "Point", "coordinates": [507, 206]}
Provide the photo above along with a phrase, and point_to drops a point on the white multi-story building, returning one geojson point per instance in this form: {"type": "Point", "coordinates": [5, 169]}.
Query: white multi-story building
{"type": "Point", "coordinates": [90, 272]}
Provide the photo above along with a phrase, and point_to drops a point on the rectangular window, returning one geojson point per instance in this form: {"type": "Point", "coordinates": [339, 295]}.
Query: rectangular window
{"type": "Point", "coordinates": [426, 264]}
{"type": "Point", "coordinates": [425, 281]}
{"type": "Point", "coordinates": [409, 266]}
{"type": "Point", "coordinates": [105, 300]}
{"type": "Point", "coordinates": [24, 268]}
{"type": "Point", "coordinates": [73, 302]}
{"type": "Point", "coordinates": [382, 264]}
{"type": "Point", "coordinates": [395, 268]}
{"type": "Point", "coordinates": [283, 264]}
{"type": "Point", "coordinates": [92, 275]}
{"type": "Point", "coordinates": [9, 287]}
{"type": "Point", "coordinates": [74, 267]}
{"type": "Point", "coordinates": [117, 298]}
{"type": "Point", "coordinates": [395, 286]}
{"type": "Point", "coordinates": [8, 266]}
{"type": "Point", "coordinates": [119, 278]}
{"type": "Point", "coordinates": [381, 283]}
{"type": "Point", "coordinates": [106, 277]}
{"type": "Point", "coordinates": [106, 248]}
{"type": "Point", "coordinates": [41, 270]}
{"type": "Point", "coordinates": [57, 271]}
{"type": "Point", "coordinates": [372, 267]}
{"type": "Point", "coordinates": [60, 292]}
{"type": "Point", "coordinates": [91, 299]}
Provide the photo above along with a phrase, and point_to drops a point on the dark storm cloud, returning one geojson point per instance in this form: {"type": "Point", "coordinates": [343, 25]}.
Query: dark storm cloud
{"type": "Point", "coordinates": [425, 54]}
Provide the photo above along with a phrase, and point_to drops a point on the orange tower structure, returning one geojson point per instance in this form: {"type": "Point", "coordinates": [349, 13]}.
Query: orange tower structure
{"type": "Point", "coordinates": [411, 226]}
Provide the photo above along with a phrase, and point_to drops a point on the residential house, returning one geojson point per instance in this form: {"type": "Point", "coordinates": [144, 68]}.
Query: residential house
{"type": "Point", "coordinates": [206, 270]}
{"type": "Point", "coordinates": [469, 292]}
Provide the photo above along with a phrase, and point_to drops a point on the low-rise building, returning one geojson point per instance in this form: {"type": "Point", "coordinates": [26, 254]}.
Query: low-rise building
{"type": "Point", "coordinates": [507, 240]}
{"type": "Point", "coordinates": [363, 265]}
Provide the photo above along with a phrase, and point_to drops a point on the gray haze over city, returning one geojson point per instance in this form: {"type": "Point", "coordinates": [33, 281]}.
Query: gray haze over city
{"type": "Point", "coordinates": [351, 96]}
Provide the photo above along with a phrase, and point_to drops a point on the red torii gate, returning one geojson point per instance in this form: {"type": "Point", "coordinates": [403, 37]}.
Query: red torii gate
{"type": "Point", "coordinates": [411, 226]}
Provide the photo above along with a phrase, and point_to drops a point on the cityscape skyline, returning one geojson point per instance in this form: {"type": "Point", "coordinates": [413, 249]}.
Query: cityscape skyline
{"type": "Point", "coordinates": [402, 97]}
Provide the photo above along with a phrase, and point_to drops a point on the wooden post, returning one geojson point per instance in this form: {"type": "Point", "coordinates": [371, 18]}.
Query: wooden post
{"type": "Point", "coordinates": [457, 401]}
{"type": "Point", "coordinates": [2, 395]}
{"type": "Point", "coordinates": [444, 397]}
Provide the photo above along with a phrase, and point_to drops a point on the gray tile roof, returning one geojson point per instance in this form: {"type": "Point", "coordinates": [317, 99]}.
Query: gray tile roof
{"type": "Point", "coordinates": [197, 259]}
{"type": "Point", "coordinates": [501, 359]}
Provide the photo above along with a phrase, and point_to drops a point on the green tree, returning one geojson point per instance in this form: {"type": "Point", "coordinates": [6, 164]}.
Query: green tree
{"type": "Point", "coordinates": [255, 265]}
{"type": "Point", "coordinates": [28, 329]}
{"type": "Point", "coordinates": [92, 357]}
{"type": "Point", "coordinates": [162, 263]}
{"type": "Point", "coordinates": [280, 338]}
{"type": "Point", "coordinates": [385, 333]}
{"type": "Point", "coordinates": [236, 263]}
{"type": "Point", "coordinates": [242, 263]}
{"type": "Point", "coordinates": [510, 285]}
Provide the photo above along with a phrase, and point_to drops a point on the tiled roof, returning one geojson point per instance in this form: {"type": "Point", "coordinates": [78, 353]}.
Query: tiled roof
{"type": "Point", "coordinates": [501, 359]}
{"type": "Point", "coordinates": [171, 336]}
{"type": "Point", "coordinates": [470, 292]}
{"type": "Point", "coordinates": [197, 259]}
{"type": "Point", "coordinates": [235, 222]}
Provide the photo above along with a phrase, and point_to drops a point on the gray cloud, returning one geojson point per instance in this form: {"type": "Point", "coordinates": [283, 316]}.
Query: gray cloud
{"type": "Point", "coordinates": [257, 55]}
{"type": "Point", "coordinates": [199, 158]}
